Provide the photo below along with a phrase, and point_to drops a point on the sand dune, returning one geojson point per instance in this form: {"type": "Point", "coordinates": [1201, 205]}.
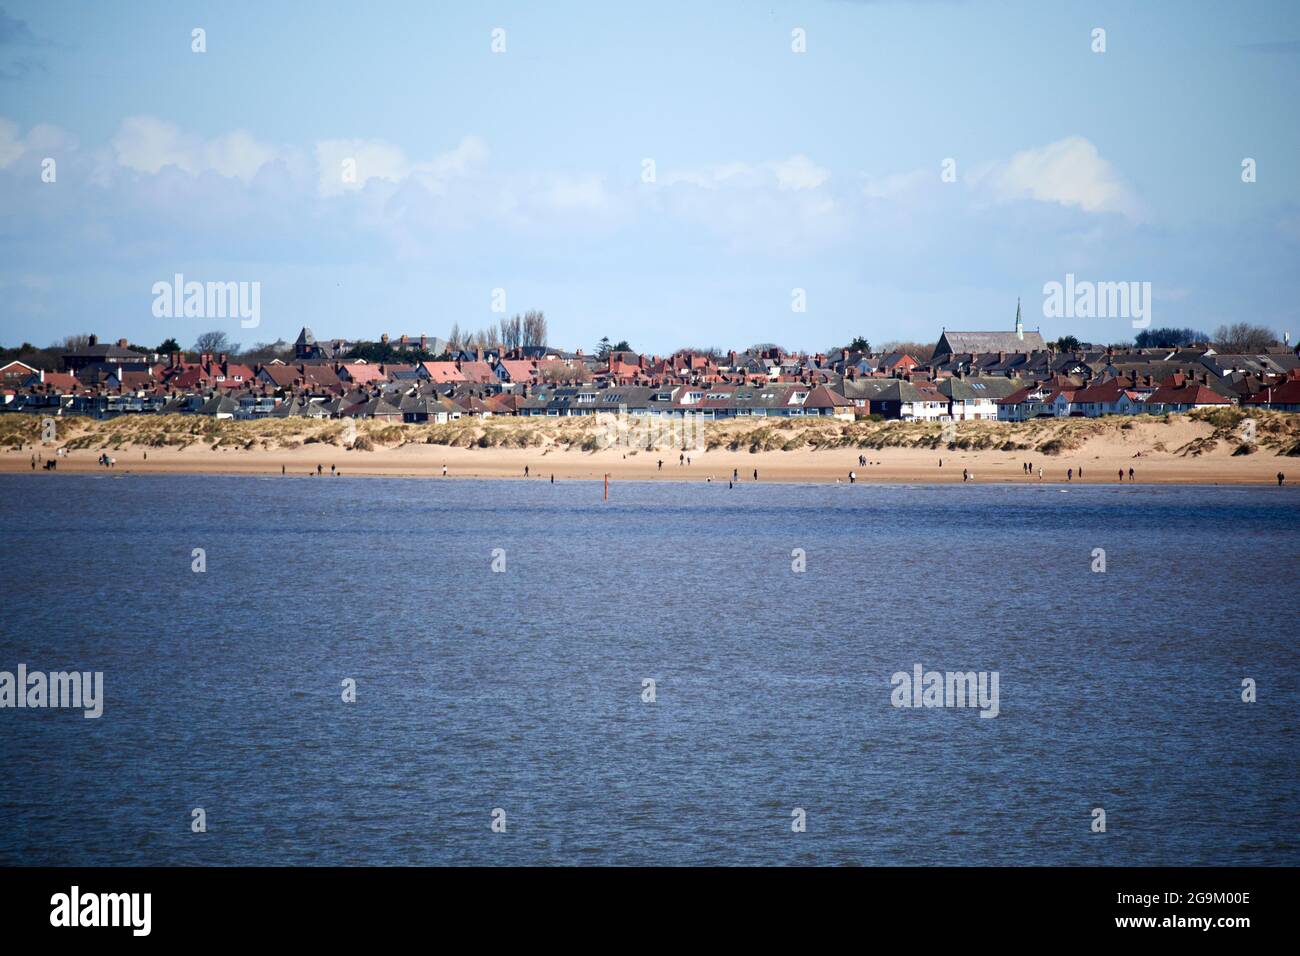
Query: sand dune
{"type": "Point", "coordinates": [1179, 449]}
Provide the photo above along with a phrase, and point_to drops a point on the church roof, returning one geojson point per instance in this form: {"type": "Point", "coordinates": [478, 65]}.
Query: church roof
{"type": "Point", "coordinates": [950, 342]}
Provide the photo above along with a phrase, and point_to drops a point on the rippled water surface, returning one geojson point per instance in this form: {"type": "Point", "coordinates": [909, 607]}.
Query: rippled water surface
{"type": "Point", "coordinates": [522, 690]}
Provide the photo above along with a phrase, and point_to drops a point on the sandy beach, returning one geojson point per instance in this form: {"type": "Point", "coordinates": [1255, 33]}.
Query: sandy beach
{"type": "Point", "coordinates": [1179, 450]}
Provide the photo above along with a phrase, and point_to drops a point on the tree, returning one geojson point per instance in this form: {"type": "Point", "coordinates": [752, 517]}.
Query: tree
{"type": "Point", "coordinates": [267, 351]}
{"type": "Point", "coordinates": [859, 344]}
{"type": "Point", "coordinates": [603, 348]}
{"type": "Point", "coordinates": [512, 332]}
{"type": "Point", "coordinates": [1241, 337]}
{"type": "Point", "coordinates": [622, 346]}
{"type": "Point", "coordinates": [534, 327]}
{"type": "Point", "coordinates": [215, 343]}
{"type": "Point", "coordinates": [1066, 343]}
{"type": "Point", "coordinates": [1168, 338]}
{"type": "Point", "coordinates": [168, 346]}
{"type": "Point", "coordinates": [75, 343]}
{"type": "Point", "coordinates": [918, 350]}
{"type": "Point", "coordinates": [455, 338]}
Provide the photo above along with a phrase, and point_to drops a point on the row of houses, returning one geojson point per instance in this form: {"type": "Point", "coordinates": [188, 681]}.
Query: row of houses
{"type": "Point", "coordinates": [972, 376]}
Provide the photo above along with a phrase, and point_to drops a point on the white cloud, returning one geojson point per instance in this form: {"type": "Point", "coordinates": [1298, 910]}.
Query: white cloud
{"type": "Point", "coordinates": [797, 172]}
{"type": "Point", "coordinates": [147, 144]}
{"type": "Point", "coordinates": [897, 185]}
{"type": "Point", "coordinates": [376, 159]}
{"type": "Point", "coordinates": [587, 193]}
{"type": "Point", "coordinates": [41, 140]}
{"type": "Point", "coordinates": [1070, 172]}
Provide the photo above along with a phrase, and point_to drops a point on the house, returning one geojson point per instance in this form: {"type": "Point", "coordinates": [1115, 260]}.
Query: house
{"type": "Point", "coordinates": [1030, 402]}
{"type": "Point", "coordinates": [219, 406]}
{"type": "Point", "coordinates": [13, 374]}
{"type": "Point", "coordinates": [441, 372]}
{"type": "Point", "coordinates": [822, 401]}
{"type": "Point", "coordinates": [361, 373]}
{"type": "Point", "coordinates": [516, 371]}
{"type": "Point", "coordinates": [478, 371]}
{"type": "Point", "coordinates": [975, 399]}
{"type": "Point", "coordinates": [306, 348]}
{"type": "Point", "coordinates": [1283, 396]}
{"type": "Point", "coordinates": [93, 352]}
{"type": "Point", "coordinates": [909, 402]}
{"type": "Point", "coordinates": [897, 363]}
{"type": "Point", "coordinates": [1183, 396]}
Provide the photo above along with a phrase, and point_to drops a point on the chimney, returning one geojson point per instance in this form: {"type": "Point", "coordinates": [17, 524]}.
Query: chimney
{"type": "Point", "coordinates": [223, 358]}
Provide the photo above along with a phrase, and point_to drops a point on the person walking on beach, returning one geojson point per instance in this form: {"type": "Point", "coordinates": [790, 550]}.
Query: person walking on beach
{"type": "Point", "coordinates": [1121, 474]}
{"type": "Point", "coordinates": [1081, 471]}
{"type": "Point", "coordinates": [661, 464]}
{"type": "Point", "coordinates": [1280, 478]}
{"type": "Point", "coordinates": [282, 469]}
{"type": "Point", "coordinates": [552, 478]}
{"type": "Point", "coordinates": [681, 459]}
{"type": "Point", "coordinates": [33, 462]}
{"type": "Point", "coordinates": [756, 474]}
{"type": "Point", "coordinates": [1040, 472]}
{"type": "Point", "coordinates": [331, 469]}
{"type": "Point", "coordinates": [320, 469]}
{"type": "Point", "coordinates": [1069, 474]}
{"type": "Point", "coordinates": [525, 471]}
{"type": "Point", "coordinates": [1130, 474]}
{"type": "Point", "coordinates": [853, 477]}
{"type": "Point", "coordinates": [735, 474]}
{"type": "Point", "coordinates": [444, 471]}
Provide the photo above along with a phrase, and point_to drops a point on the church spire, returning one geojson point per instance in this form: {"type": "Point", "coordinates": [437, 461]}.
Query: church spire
{"type": "Point", "coordinates": [1020, 326]}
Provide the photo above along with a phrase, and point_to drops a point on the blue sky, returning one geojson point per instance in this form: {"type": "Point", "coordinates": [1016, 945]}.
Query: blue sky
{"type": "Point", "coordinates": [523, 170]}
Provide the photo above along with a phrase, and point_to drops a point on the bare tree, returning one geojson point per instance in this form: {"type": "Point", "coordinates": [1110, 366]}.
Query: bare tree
{"type": "Point", "coordinates": [534, 327]}
{"type": "Point", "coordinates": [75, 343]}
{"type": "Point", "coordinates": [215, 342]}
{"type": "Point", "coordinates": [918, 350]}
{"type": "Point", "coordinates": [268, 351]}
{"type": "Point", "coordinates": [1241, 337]}
{"type": "Point", "coordinates": [563, 371]}
{"type": "Point", "coordinates": [512, 332]}
{"type": "Point", "coordinates": [455, 338]}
